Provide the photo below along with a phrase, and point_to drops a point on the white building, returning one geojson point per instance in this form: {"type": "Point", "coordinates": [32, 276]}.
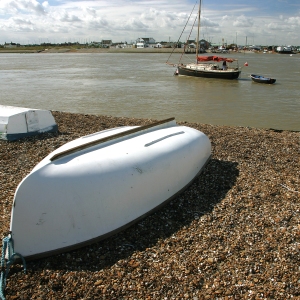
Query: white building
{"type": "Point", "coordinates": [140, 45]}
{"type": "Point", "coordinates": [145, 42]}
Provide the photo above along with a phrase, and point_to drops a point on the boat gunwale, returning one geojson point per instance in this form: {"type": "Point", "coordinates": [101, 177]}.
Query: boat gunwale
{"type": "Point", "coordinates": [208, 68]}
{"type": "Point", "coordinates": [108, 138]}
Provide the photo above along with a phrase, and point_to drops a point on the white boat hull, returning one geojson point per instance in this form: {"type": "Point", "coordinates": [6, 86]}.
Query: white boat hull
{"type": "Point", "coordinates": [79, 194]}
{"type": "Point", "coordinates": [20, 122]}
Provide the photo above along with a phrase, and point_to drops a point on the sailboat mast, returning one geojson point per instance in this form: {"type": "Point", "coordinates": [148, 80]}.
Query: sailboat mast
{"type": "Point", "coordinates": [198, 34]}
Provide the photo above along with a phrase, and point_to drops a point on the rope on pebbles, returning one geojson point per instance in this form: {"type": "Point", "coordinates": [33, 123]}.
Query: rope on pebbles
{"type": "Point", "coordinates": [289, 188]}
{"type": "Point", "coordinates": [7, 247]}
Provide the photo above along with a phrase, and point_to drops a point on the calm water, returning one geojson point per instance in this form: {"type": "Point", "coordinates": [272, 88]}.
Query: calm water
{"type": "Point", "coordinates": [143, 86]}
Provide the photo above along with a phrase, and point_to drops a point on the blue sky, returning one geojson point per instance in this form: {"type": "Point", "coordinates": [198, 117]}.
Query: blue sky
{"type": "Point", "coordinates": [263, 22]}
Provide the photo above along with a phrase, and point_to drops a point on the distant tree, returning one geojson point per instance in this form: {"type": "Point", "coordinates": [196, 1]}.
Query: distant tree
{"type": "Point", "coordinates": [232, 46]}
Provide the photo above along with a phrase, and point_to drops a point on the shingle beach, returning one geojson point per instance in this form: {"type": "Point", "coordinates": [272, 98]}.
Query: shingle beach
{"type": "Point", "coordinates": [233, 234]}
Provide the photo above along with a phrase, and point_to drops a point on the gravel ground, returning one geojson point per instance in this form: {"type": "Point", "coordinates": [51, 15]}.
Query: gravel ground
{"type": "Point", "coordinates": [234, 234]}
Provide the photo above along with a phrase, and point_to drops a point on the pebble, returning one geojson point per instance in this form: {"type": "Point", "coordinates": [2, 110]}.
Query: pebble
{"type": "Point", "coordinates": [233, 234]}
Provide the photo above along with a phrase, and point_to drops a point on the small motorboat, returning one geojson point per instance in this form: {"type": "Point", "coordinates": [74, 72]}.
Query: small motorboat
{"type": "Point", "coordinates": [99, 184]}
{"type": "Point", "coordinates": [262, 79]}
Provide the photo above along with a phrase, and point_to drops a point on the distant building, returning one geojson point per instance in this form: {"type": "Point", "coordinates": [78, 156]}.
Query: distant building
{"type": "Point", "coordinates": [167, 44]}
{"type": "Point", "coordinates": [145, 42]}
{"type": "Point", "coordinates": [95, 44]}
{"type": "Point", "coordinates": [106, 43]}
{"type": "Point", "coordinates": [190, 41]}
{"type": "Point", "coordinates": [121, 45]}
{"type": "Point", "coordinates": [203, 44]}
{"type": "Point", "coordinates": [11, 45]}
{"type": "Point", "coordinates": [255, 47]}
{"type": "Point", "coordinates": [148, 40]}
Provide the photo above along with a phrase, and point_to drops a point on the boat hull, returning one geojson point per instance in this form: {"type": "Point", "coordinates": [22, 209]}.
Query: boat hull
{"type": "Point", "coordinates": [226, 74]}
{"type": "Point", "coordinates": [286, 52]}
{"type": "Point", "coordinates": [20, 122]}
{"type": "Point", "coordinates": [261, 79]}
{"type": "Point", "coordinates": [78, 195]}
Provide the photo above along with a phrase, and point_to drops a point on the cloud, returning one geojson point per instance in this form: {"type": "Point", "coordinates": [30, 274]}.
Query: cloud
{"type": "Point", "coordinates": [70, 18]}
{"type": "Point", "coordinates": [21, 22]}
{"type": "Point", "coordinates": [294, 21]}
{"type": "Point", "coordinates": [97, 23]}
{"type": "Point", "coordinates": [18, 25]}
{"type": "Point", "coordinates": [208, 23]}
{"type": "Point", "coordinates": [130, 19]}
{"type": "Point", "coordinates": [45, 4]}
{"type": "Point", "coordinates": [22, 6]}
{"type": "Point", "coordinates": [243, 21]}
{"type": "Point", "coordinates": [91, 11]}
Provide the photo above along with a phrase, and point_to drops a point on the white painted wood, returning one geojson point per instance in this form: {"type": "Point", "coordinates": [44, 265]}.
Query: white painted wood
{"type": "Point", "coordinates": [18, 122]}
{"type": "Point", "coordinates": [87, 194]}
{"type": "Point", "coordinates": [32, 120]}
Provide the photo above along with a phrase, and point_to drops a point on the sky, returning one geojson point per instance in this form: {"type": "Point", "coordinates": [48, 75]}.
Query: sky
{"type": "Point", "coordinates": [251, 22]}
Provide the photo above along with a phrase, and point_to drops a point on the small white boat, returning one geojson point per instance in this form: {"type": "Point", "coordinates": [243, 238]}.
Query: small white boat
{"type": "Point", "coordinates": [96, 185]}
{"type": "Point", "coordinates": [19, 122]}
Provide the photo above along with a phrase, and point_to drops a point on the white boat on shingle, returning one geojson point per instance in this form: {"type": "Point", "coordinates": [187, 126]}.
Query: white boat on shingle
{"type": "Point", "coordinates": [19, 122]}
{"type": "Point", "coordinates": [96, 185]}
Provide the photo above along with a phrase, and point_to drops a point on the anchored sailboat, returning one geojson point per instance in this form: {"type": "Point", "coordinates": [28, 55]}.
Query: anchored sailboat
{"type": "Point", "coordinates": [208, 66]}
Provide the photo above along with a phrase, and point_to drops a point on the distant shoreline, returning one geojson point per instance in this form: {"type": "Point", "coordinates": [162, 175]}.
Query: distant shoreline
{"type": "Point", "coordinates": [94, 50]}
{"type": "Point", "coordinates": [112, 50]}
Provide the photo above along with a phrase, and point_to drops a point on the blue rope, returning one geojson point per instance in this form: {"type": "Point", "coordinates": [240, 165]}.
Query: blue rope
{"type": "Point", "coordinates": [7, 247]}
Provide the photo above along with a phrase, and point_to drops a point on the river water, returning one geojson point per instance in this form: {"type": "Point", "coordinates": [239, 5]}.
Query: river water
{"type": "Point", "coordinates": [142, 85]}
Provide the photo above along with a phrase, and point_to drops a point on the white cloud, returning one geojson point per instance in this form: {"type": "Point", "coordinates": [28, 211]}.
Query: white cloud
{"type": "Point", "coordinates": [243, 21]}
{"type": "Point", "coordinates": [70, 18]}
{"type": "Point", "coordinates": [133, 24]}
{"type": "Point", "coordinates": [45, 4]}
{"type": "Point", "coordinates": [97, 23]}
{"type": "Point", "coordinates": [22, 6]}
{"type": "Point", "coordinates": [22, 22]}
{"type": "Point", "coordinates": [209, 23]}
{"type": "Point", "coordinates": [294, 21]}
{"type": "Point", "coordinates": [129, 19]}
{"type": "Point", "coordinates": [90, 11]}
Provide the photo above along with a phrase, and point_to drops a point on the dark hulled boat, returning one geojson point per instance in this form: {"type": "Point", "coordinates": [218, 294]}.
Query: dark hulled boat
{"type": "Point", "coordinates": [207, 66]}
{"type": "Point", "coordinates": [262, 79]}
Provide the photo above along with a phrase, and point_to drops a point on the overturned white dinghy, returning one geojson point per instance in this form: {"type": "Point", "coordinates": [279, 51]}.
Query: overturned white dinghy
{"type": "Point", "coordinates": [19, 122]}
{"type": "Point", "coordinates": [96, 185]}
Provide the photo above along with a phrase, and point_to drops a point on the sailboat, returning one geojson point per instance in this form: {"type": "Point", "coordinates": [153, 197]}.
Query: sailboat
{"type": "Point", "coordinates": [209, 66]}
